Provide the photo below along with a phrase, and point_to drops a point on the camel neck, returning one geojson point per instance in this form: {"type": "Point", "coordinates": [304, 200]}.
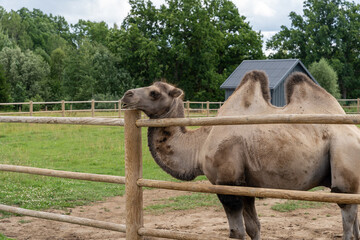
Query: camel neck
{"type": "Point", "coordinates": [175, 149]}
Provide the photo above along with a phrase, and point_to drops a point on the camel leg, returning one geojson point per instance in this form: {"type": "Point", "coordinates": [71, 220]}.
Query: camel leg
{"type": "Point", "coordinates": [233, 206]}
{"type": "Point", "coordinates": [252, 222]}
{"type": "Point", "coordinates": [356, 229]}
{"type": "Point", "coordinates": [349, 219]}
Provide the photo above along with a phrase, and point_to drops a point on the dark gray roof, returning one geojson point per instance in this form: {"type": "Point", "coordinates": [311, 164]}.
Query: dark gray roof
{"type": "Point", "coordinates": [276, 69]}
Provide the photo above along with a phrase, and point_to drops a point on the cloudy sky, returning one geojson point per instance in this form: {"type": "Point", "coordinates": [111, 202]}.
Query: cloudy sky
{"type": "Point", "coordinates": [264, 15]}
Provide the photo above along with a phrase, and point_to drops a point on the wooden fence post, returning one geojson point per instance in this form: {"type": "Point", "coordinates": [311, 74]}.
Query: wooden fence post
{"type": "Point", "coordinates": [31, 108]}
{"type": "Point", "coordinates": [188, 108]}
{"type": "Point", "coordinates": [207, 108]}
{"type": "Point", "coordinates": [63, 108]}
{"type": "Point", "coordinates": [119, 108]}
{"type": "Point", "coordinates": [358, 105]}
{"type": "Point", "coordinates": [133, 171]}
{"type": "Point", "coordinates": [92, 108]}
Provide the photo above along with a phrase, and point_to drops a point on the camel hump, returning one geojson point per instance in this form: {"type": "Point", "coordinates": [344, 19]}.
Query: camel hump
{"type": "Point", "coordinates": [251, 78]}
{"type": "Point", "coordinates": [301, 90]}
{"type": "Point", "coordinates": [299, 79]}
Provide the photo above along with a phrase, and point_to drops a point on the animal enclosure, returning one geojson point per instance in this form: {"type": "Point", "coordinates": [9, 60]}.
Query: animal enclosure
{"type": "Point", "coordinates": [133, 179]}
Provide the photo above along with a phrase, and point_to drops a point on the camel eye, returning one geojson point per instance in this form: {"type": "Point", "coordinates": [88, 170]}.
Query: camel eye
{"type": "Point", "coordinates": [155, 95]}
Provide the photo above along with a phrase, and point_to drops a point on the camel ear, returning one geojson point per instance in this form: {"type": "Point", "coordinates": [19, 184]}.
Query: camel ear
{"type": "Point", "coordinates": [176, 92]}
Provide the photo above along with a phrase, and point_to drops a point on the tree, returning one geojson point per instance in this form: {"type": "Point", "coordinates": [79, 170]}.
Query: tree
{"type": "Point", "coordinates": [328, 29]}
{"type": "Point", "coordinates": [93, 31]}
{"type": "Point", "coordinates": [193, 44]}
{"type": "Point", "coordinates": [92, 69]}
{"type": "Point", "coordinates": [26, 73]}
{"type": "Point", "coordinates": [4, 87]}
{"type": "Point", "coordinates": [325, 76]}
{"type": "Point", "coordinates": [57, 65]}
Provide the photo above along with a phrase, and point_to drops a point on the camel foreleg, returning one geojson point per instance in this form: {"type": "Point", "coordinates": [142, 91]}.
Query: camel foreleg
{"type": "Point", "coordinates": [233, 206]}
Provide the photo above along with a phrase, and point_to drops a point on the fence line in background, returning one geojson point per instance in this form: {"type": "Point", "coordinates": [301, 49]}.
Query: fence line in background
{"type": "Point", "coordinates": [133, 170]}
{"type": "Point", "coordinates": [64, 120]}
{"type": "Point", "coordinates": [205, 108]}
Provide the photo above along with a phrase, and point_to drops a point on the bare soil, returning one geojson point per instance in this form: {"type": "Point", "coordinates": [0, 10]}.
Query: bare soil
{"type": "Point", "coordinates": [320, 223]}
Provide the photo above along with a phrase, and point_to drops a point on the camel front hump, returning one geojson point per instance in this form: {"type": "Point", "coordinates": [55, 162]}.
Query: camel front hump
{"type": "Point", "coordinates": [274, 156]}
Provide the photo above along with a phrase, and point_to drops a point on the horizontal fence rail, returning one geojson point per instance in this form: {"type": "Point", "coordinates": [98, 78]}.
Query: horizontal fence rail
{"type": "Point", "coordinates": [63, 174]}
{"type": "Point", "coordinates": [64, 120]}
{"type": "Point", "coordinates": [64, 218]}
{"type": "Point", "coordinates": [253, 119]}
{"type": "Point", "coordinates": [177, 235]}
{"type": "Point", "coordinates": [253, 192]}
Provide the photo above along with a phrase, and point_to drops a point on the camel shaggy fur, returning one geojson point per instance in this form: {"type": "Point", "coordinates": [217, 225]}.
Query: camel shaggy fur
{"type": "Point", "coordinates": [296, 156]}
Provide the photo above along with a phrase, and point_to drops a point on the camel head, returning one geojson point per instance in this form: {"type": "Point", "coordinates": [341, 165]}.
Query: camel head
{"type": "Point", "coordinates": [155, 101]}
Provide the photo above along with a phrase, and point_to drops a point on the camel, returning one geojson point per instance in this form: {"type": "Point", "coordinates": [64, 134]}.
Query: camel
{"type": "Point", "coordinates": [292, 156]}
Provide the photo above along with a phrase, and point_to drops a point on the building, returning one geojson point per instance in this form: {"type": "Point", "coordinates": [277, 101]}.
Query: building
{"type": "Point", "coordinates": [277, 71]}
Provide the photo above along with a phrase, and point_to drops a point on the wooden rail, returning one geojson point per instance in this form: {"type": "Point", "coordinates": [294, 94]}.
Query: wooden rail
{"type": "Point", "coordinates": [63, 174]}
{"type": "Point", "coordinates": [253, 192]}
{"type": "Point", "coordinates": [64, 218]}
{"type": "Point", "coordinates": [253, 119]}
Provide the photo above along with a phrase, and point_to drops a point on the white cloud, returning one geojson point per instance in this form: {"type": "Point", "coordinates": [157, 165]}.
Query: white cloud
{"type": "Point", "coordinates": [268, 15]}
{"type": "Point", "coordinates": [262, 9]}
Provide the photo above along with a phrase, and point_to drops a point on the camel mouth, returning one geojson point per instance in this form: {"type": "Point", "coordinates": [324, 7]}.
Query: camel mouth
{"type": "Point", "coordinates": [127, 106]}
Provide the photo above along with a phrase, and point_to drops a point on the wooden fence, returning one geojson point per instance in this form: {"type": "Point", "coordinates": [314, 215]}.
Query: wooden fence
{"type": "Point", "coordinates": [201, 108]}
{"type": "Point", "coordinates": [191, 107]}
{"type": "Point", "coordinates": [134, 182]}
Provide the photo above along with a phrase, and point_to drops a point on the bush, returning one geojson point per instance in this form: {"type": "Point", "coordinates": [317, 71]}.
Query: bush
{"type": "Point", "coordinates": [325, 76]}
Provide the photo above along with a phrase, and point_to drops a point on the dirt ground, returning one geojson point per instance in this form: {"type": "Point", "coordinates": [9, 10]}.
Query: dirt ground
{"type": "Point", "coordinates": [321, 223]}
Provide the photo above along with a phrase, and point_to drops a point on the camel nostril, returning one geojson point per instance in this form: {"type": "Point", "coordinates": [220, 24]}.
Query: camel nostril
{"type": "Point", "coordinates": [129, 94]}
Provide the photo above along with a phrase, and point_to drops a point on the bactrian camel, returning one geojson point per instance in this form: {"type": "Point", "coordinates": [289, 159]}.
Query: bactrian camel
{"type": "Point", "coordinates": [296, 156]}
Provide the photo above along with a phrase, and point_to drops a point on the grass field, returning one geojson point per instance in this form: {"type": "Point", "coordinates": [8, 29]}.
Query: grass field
{"type": "Point", "coordinates": [92, 149]}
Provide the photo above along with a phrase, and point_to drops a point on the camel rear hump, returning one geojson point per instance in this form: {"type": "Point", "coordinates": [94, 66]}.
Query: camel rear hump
{"type": "Point", "coordinates": [300, 90]}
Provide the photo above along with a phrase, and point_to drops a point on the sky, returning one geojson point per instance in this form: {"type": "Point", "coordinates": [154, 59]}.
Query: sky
{"type": "Point", "coordinates": [266, 16]}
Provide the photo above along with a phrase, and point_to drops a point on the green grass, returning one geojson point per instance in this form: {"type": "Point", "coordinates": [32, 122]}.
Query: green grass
{"type": "Point", "coordinates": [2, 237]}
{"type": "Point", "coordinates": [291, 205]}
{"type": "Point", "coordinates": [184, 202]}
{"type": "Point", "coordinates": [92, 149]}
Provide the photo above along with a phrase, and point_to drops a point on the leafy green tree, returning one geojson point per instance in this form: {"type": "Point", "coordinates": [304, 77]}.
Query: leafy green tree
{"type": "Point", "coordinates": [26, 73]}
{"type": "Point", "coordinates": [55, 82]}
{"type": "Point", "coordinates": [92, 69]}
{"type": "Point", "coordinates": [4, 87]}
{"type": "Point", "coordinates": [328, 29]}
{"type": "Point", "coordinates": [194, 44]}
{"type": "Point", "coordinates": [93, 31]}
{"type": "Point", "coordinates": [34, 29]}
{"type": "Point", "coordinates": [326, 76]}
{"type": "Point", "coordinates": [111, 79]}
{"type": "Point", "coordinates": [79, 84]}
